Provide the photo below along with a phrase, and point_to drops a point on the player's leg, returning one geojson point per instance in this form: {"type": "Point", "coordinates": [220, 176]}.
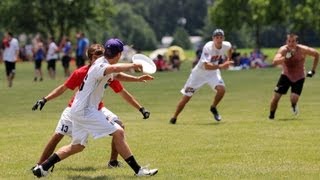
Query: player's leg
{"type": "Point", "coordinates": [64, 127]}
{"type": "Point", "coordinates": [184, 100]}
{"type": "Point", "coordinates": [113, 162]}
{"type": "Point", "coordinates": [79, 140]}
{"type": "Point", "coordinates": [274, 104]}
{"type": "Point", "coordinates": [49, 148]}
{"type": "Point", "coordinates": [99, 127]}
{"type": "Point", "coordinates": [281, 88]}
{"type": "Point", "coordinates": [217, 84]}
{"type": "Point", "coordinates": [220, 91]}
{"type": "Point", "coordinates": [125, 152]}
{"type": "Point", "coordinates": [194, 82]}
{"type": "Point", "coordinates": [296, 90]}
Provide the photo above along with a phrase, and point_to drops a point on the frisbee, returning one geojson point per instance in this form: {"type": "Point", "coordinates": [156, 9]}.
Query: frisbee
{"type": "Point", "coordinates": [147, 64]}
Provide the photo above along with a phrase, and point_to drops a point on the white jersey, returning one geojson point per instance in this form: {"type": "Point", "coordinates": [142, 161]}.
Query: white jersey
{"type": "Point", "coordinates": [92, 88]}
{"type": "Point", "coordinates": [200, 76]}
{"type": "Point", "coordinates": [52, 54]}
{"type": "Point", "coordinates": [211, 54]}
{"type": "Point", "coordinates": [9, 53]}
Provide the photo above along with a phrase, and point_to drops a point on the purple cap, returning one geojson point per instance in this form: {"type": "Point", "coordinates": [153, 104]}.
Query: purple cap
{"type": "Point", "coordinates": [218, 32]}
{"type": "Point", "coordinates": [113, 46]}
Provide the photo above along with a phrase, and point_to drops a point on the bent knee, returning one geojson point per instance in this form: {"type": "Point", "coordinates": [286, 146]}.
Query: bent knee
{"type": "Point", "coordinates": [119, 133]}
{"type": "Point", "coordinates": [220, 89]}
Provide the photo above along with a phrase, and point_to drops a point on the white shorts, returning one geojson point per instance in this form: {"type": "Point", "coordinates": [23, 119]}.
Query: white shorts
{"type": "Point", "coordinates": [198, 79]}
{"type": "Point", "coordinates": [64, 125]}
{"type": "Point", "coordinates": [94, 122]}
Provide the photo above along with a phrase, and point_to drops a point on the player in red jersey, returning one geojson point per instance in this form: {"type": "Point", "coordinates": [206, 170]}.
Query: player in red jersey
{"type": "Point", "coordinates": [292, 57]}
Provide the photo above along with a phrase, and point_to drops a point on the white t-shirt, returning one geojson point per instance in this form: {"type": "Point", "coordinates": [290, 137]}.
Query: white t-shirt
{"type": "Point", "coordinates": [211, 54]}
{"type": "Point", "coordinates": [92, 89]}
{"type": "Point", "coordinates": [51, 54]}
{"type": "Point", "coordinates": [9, 53]}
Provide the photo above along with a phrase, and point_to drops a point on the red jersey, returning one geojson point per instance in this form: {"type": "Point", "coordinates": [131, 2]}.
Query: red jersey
{"type": "Point", "coordinates": [76, 78]}
{"type": "Point", "coordinates": [293, 67]}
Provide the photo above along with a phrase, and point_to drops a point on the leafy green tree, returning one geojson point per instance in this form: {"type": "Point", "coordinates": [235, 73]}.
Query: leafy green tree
{"type": "Point", "coordinates": [181, 38]}
{"type": "Point", "coordinates": [163, 16]}
{"type": "Point", "coordinates": [133, 29]}
{"type": "Point", "coordinates": [233, 14]}
{"type": "Point", "coordinates": [55, 17]}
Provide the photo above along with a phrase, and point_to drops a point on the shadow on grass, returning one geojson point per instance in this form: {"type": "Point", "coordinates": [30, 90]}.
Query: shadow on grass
{"type": "Point", "coordinates": [88, 177]}
{"type": "Point", "coordinates": [289, 119]}
{"type": "Point", "coordinates": [81, 169]}
{"type": "Point", "coordinates": [214, 123]}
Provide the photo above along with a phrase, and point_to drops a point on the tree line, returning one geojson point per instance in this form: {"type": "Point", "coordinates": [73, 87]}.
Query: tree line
{"type": "Point", "coordinates": [247, 23]}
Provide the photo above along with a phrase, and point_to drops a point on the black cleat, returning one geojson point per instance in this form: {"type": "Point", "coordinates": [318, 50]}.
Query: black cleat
{"type": "Point", "coordinates": [173, 120]}
{"type": "Point", "coordinates": [39, 172]}
{"type": "Point", "coordinates": [271, 117]}
{"type": "Point", "coordinates": [114, 164]}
{"type": "Point", "coordinates": [215, 113]}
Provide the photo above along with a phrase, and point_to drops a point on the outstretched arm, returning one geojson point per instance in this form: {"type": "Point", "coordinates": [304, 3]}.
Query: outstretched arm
{"type": "Point", "coordinates": [121, 67]}
{"type": "Point", "coordinates": [56, 92]}
{"type": "Point", "coordinates": [133, 102]}
{"type": "Point", "coordinates": [130, 99]}
{"type": "Point", "coordinates": [130, 78]}
{"type": "Point", "coordinates": [53, 94]}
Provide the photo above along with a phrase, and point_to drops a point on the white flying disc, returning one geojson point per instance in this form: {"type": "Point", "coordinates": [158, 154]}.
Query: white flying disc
{"type": "Point", "coordinates": [147, 64]}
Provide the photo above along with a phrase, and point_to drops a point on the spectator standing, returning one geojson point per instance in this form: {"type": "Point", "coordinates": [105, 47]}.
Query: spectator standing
{"type": "Point", "coordinates": [81, 50]}
{"type": "Point", "coordinates": [39, 55]}
{"type": "Point", "coordinates": [52, 56]}
{"type": "Point", "coordinates": [10, 56]}
{"type": "Point", "coordinates": [66, 47]}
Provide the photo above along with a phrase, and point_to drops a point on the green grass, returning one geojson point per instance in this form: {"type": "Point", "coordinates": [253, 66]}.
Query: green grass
{"type": "Point", "coordinates": [244, 145]}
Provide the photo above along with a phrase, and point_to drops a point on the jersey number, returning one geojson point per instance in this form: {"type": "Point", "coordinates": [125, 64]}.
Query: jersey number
{"type": "Point", "coordinates": [64, 128]}
{"type": "Point", "coordinates": [82, 84]}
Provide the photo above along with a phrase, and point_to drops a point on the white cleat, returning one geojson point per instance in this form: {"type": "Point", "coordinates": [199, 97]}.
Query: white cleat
{"type": "Point", "coordinates": [146, 172]}
{"type": "Point", "coordinates": [295, 110]}
{"type": "Point", "coordinates": [39, 172]}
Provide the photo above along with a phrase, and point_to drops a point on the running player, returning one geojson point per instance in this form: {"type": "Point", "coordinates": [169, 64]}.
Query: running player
{"type": "Point", "coordinates": [292, 57]}
{"type": "Point", "coordinates": [207, 71]}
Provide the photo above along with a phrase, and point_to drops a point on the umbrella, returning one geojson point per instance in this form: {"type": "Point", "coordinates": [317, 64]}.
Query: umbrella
{"type": "Point", "coordinates": [155, 53]}
{"type": "Point", "coordinates": [180, 51]}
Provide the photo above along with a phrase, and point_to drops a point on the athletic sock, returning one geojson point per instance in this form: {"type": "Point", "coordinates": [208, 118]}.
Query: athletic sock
{"type": "Point", "coordinates": [213, 110]}
{"type": "Point", "coordinates": [272, 113]}
{"type": "Point", "coordinates": [54, 158]}
{"type": "Point", "coordinates": [133, 164]}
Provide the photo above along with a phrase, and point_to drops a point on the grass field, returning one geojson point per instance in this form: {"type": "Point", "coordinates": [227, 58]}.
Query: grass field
{"type": "Point", "coordinates": [244, 145]}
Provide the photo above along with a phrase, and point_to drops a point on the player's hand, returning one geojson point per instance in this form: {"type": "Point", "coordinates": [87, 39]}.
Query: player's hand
{"type": "Point", "coordinates": [137, 67]}
{"type": "Point", "coordinates": [40, 103]}
{"type": "Point", "coordinates": [144, 112]}
{"type": "Point", "coordinates": [288, 55]}
{"type": "Point", "coordinates": [226, 64]}
{"type": "Point", "coordinates": [310, 73]}
{"type": "Point", "coordinates": [145, 78]}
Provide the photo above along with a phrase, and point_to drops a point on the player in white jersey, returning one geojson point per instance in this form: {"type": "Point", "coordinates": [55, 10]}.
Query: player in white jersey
{"type": "Point", "coordinates": [207, 71]}
{"type": "Point", "coordinates": [87, 119]}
